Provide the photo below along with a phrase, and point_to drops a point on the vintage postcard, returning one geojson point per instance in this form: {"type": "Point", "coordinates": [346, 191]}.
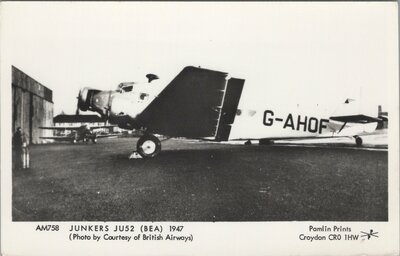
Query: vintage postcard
{"type": "Point", "coordinates": [199, 128]}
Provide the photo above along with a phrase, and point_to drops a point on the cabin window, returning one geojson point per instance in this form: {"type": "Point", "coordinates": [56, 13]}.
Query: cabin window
{"type": "Point", "coordinates": [144, 96]}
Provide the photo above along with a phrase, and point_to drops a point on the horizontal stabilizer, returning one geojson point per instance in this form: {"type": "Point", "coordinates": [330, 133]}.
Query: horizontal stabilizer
{"type": "Point", "coordinates": [384, 117]}
{"type": "Point", "coordinates": [360, 119]}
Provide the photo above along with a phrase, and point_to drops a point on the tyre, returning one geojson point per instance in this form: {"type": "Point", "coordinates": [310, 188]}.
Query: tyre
{"type": "Point", "coordinates": [247, 143]}
{"type": "Point", "coordinates": [265, 142]}
{"type": "Point", "coordinates": [75, 138]}
{"type": "Point", "coordinates": [148, 146]}
{"type": "Point", "coordinates": [358, 141]}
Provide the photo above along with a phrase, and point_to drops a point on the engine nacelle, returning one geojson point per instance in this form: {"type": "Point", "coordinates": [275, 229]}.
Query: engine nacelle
{"type": "Point", "coordinates": [119, 107]}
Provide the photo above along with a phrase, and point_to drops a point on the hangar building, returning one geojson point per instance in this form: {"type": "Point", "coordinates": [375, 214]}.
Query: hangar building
{"type": "Point", "coordinates": [32, 106]}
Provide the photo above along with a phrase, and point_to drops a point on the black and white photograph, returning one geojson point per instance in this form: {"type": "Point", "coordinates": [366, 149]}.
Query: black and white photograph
{"type": "Point", "coordinates": [208, 115]}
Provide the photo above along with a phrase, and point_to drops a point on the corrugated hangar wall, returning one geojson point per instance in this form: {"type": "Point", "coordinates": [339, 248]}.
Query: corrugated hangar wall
{"type": "Point", "coordinates": [32, 106]}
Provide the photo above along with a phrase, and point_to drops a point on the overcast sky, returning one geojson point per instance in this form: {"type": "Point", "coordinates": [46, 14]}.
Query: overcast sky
{"type": "Point", "coordinates": [289, 53]}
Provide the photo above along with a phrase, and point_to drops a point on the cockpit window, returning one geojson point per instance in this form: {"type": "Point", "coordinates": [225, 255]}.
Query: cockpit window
{"type": "Point", "coordinates": [127, 88]}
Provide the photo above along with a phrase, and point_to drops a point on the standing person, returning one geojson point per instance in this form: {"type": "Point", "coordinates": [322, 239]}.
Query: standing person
{"type": "Point", "coordinates": [20, 150]}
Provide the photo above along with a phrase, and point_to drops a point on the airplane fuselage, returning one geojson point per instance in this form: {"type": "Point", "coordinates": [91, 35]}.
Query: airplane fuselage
{"type": "Point", "coordinates": [206, 104]}
{"type": "Point", "coordinates": [295, 122]}
{"type": "Point", "coordinates": [291, 123]}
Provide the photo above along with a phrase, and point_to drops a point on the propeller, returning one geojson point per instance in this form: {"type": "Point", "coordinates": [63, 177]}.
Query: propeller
{"type": "Point", "coordinates": [77, 103]}
{"type": "Point", "coordinates": [82, 103]}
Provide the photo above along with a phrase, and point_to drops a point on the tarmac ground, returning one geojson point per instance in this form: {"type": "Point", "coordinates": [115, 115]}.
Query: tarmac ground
{"type": "Point", "coordinates": [202, 181]}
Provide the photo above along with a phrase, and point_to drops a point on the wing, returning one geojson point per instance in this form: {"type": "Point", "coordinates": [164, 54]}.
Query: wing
{"type": "Point", "coordinates": [197, 103]}
{"type": "Point", "coordinates": [58, 138]}
{"type": "Point", "coordinates": [59, 128]}
{"type": "Point", "coordinates": [100, 127]}
{"type": "Point", "coordinates": [107, 135]}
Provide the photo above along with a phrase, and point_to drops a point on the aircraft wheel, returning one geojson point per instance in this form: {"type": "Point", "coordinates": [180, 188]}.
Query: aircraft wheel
{"type": "Point", "coordinates": [265, 142]}
{"type": "Point", "coordinates": [247, 143]}
{"type": "Point", "coordinates": [94, 140]}
{"type": "Point", "coordinates": [358, 141]}
{"type": "Point", "coordinates": [148, 146]}
{"type": "Point", "coordinates": [74, 141]}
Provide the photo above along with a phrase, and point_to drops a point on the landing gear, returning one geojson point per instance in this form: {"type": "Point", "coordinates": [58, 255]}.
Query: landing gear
{"type": "Point", "coordinates": [265, 142]}
{"type": "Point", "coordinates": [247, 143]}
{"type": "Point", "coordinates": [74, 138]}
{"type": "Point", "coordinates": [148, 146]}
{"type": "Point", "coordinates": [359, 141]}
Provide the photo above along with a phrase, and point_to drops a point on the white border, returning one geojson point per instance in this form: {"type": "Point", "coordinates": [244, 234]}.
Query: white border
{"type": "Point", "coordinates": [238, 238]}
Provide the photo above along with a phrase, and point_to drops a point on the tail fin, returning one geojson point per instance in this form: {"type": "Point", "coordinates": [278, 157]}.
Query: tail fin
{"type": "Point", "coordinates": [383, 116]}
